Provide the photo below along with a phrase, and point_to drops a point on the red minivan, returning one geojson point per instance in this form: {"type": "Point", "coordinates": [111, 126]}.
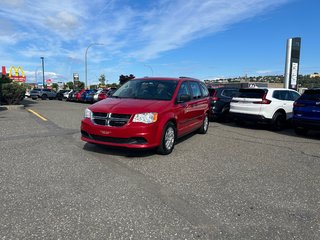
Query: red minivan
{"type": "Point", "coordinates": [148, 113]}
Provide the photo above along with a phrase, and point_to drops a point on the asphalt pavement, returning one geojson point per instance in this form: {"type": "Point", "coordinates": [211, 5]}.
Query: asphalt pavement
{"type": "Point", "coordinates": [232, 183]}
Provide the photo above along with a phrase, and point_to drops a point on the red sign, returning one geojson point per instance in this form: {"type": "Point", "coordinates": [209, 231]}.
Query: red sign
{"type": "Point", "coordinates": [18, 79]}
{"type": "Point", "coordinates": [4, 71]}
{"type": "Point", "coordinates": [49, 82]}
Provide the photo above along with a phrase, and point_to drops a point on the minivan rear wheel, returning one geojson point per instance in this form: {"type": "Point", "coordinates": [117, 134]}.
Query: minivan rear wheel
{"type": "Point", "coordinates": [168, 139]}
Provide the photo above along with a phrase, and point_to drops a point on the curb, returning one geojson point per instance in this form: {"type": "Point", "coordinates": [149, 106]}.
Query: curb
{"type": "Point", "coordinates": [11, 107]}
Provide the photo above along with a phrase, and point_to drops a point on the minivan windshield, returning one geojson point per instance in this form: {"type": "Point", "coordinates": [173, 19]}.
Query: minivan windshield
{"type": "Point", "coordinates": [147, 89]}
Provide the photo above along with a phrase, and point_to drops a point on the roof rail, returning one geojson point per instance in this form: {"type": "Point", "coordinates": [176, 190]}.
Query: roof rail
{"type": "Point", "coordinates": [187, 77]}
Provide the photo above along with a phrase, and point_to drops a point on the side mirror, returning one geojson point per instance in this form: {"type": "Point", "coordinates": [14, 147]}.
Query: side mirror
{"type": "Point", "coordinates": [184, 98]}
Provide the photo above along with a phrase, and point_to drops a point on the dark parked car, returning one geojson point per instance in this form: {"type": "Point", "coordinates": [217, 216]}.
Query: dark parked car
{"type": "Point", "coordinates": [105, 93]}
{"type": "Point", "coordinates": [306, 112]}
{"type": "Point", "coordinates": [220, 99]}
{"type": "Point", "coordinates": [77, 95]}
{"type": "Point", "coordinates": [71, 95]}
{"type": "Point", "coordinates": [43, 93]}
{"type": "Point", "coordinates": [60, 94]}
{"type": "Point", "coordinates": [87, 96]}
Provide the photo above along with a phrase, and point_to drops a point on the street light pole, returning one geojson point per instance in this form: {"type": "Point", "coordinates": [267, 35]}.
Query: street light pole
{"type": "Point", "coordinates": [42, 58]}
{"type": "Point", "coordinates": [86, 63]}
{"type": "Point", "coordinates": [149, 68]}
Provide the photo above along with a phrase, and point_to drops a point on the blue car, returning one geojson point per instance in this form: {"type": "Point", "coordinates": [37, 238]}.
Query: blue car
{"type": "Point", "coordinates": [306, 112]}
{"type": "Point", "coordinates": [87, 96]}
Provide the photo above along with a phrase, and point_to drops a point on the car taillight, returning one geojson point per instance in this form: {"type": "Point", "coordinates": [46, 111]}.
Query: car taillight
{"type": "Point", "coordinates": [264, 100]}
{"type": "Point", "coordinates": [295, 104]}
{"type": "Point", "coordinates": [214, 97]}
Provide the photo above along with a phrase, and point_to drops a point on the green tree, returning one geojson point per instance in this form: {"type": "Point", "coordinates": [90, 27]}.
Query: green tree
{"type": "Point", "coordinates": [55, 86]}
{"type": "Point", "coordinates": [81, 85]}
{"type": "Point", "coordinates": [125, 78]}
{"type": "Point", "coordinates": [12, 93]}
{"type": "Point", "coordinates": [102, 79]}
{"type": "Point", "coordinates": [69, 85]}
{"type": "Point", "coordinates": [5, 79]}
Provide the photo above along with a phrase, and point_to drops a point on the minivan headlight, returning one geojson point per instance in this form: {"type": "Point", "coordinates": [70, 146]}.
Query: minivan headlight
{"type": "Point", "coordinates": [145, 118]}
{"type": "Point", "coordinates": [88, 113]}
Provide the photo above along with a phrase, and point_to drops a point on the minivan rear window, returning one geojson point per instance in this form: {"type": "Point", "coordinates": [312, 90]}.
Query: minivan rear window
{"type": "Point", "coordinates": [252, 93]}
{"type": "Point", "coordinates": [312, 94]}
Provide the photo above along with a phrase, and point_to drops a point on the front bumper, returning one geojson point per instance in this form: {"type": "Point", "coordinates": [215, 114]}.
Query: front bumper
{"type": "Point", "coordinates": [132, 135]}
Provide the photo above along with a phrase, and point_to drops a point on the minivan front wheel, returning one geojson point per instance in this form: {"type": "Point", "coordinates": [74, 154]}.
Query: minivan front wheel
{"type": "Point", "coordinates": [168, 139]}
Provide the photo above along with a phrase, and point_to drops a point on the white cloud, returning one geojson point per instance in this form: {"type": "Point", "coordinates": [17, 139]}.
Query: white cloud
{"type": "Point", "coordinates": [183, 21]}
{"type": "Point", "coordinates": [265, 71]}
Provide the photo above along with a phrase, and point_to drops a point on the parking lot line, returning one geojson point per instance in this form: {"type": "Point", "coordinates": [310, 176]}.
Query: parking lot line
{"type": "Point", "coordinates": [37, 114]}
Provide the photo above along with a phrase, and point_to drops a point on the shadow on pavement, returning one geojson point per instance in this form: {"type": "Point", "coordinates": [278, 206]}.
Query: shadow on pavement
{"type": "Point", "coordinates": [28, 102]}
{"type": "Point", "coordinates": [287, 131]}
{"type": "Point", "coordinates": [126, 152]}
{"type": "Point", "coordinates": [118, 151]}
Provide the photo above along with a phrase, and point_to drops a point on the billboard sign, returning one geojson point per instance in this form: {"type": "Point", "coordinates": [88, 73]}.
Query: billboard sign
{"type": "Point", "coordinates": [292, 63]}
{"type": "Point", "coordinates": [75, 77]}
{"type": "Point", "coordinates": [49, 82]}
{"type": "Point", "coordinates": [16, 77]}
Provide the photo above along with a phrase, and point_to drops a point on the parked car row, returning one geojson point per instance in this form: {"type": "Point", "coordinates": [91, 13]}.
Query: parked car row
{"type": "Point", "coordinates": [272, 106]}
{"type": "Point", "coordinates": [89, 96]}
{"type": "Point", "coordinates": [82, 95]}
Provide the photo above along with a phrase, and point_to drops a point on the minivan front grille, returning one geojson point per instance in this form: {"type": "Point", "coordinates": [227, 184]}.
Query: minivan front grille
{"type": "Point", "coordinates": [110, 119]}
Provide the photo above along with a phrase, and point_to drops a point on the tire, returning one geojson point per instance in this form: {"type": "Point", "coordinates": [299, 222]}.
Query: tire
{"type": "Point", "coordinates": [205, 125]}
{"type": "Point", "coordinates": [239, 122]}
{"type": "Point", "coordinates": [301, 131]}
{"type": "Point", "coordinates": [44, 97]}
{"type": "Point", "coordinates": [278, 121]}
{"type": "Point", "coordinates": [168, 139]}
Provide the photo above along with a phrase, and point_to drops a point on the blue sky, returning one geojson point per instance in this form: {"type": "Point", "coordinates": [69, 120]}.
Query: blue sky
{"type": "Point", "coordinates": [204, 39]}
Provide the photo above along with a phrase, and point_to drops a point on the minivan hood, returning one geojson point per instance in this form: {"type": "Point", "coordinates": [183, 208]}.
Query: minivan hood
{"type": "Point", "coordinates": [129, 106]}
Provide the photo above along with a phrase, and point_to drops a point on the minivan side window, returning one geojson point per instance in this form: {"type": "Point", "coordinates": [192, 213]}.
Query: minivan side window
{"type": "Point", "coordinates": [204, 90]}
{"type": "Point", "coordinates": [195, 89]}
{"type": "Point", "coordinates": [184, 89]}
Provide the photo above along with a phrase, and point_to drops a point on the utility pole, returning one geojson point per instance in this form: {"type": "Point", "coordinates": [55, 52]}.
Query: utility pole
{"type": "Point", "coordinates": [42, 58]}
{"type": "Point", "coordinates": [86, 64]}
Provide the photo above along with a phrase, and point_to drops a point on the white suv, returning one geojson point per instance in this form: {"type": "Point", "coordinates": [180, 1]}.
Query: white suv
{"type": "Point", "coordinates": [264, 105]}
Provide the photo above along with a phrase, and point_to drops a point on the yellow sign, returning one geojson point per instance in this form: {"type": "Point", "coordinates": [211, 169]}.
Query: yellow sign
{"type": "Point", "coordinates": [16, 77]}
